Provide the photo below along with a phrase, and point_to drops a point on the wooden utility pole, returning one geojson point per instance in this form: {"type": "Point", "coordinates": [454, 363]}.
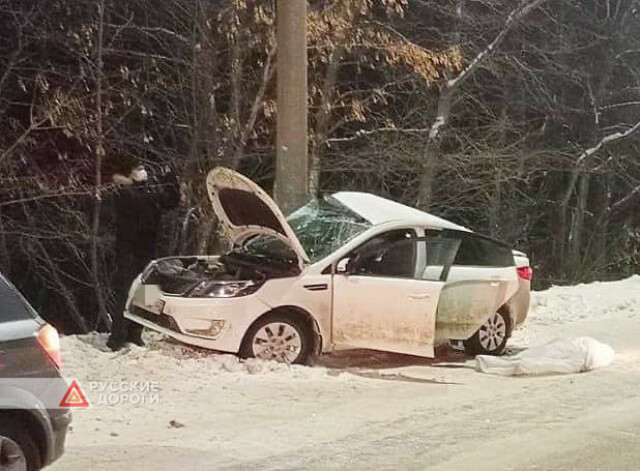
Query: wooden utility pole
{"type": "Point", "coordinates": [292, 162]}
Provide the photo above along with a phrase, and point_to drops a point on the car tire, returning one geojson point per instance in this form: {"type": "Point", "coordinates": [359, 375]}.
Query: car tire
{"type": "Point", "coordinates": [20, 437]}
{"type": "Point", "coordinates": [491, 338]}
{"type": "Point", "coordinates": [286, 339]}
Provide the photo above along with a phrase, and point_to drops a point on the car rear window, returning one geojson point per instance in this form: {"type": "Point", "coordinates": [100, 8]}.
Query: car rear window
{"type": "Point", "coordinates": [481, 251]}
{"type": "Point", "coordinates": [13, 307]}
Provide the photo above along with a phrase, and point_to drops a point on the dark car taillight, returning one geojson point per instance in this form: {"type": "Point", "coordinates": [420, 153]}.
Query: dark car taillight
{"type": "Point", "coordinates": [50, 342]}
{"type": "Point", "coordinates": [525, 273]}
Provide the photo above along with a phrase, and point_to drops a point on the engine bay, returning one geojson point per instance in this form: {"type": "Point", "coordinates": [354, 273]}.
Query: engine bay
{"type": "Point", "coordinates": [179, 276]}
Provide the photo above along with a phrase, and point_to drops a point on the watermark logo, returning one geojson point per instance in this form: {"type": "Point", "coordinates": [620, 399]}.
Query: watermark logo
{"type": "Point", "coordinates": [59, 393]}
{"type": "Point", "coordinates": [115, 393]}
{"type": "Point", "coordinates": [74, 397]}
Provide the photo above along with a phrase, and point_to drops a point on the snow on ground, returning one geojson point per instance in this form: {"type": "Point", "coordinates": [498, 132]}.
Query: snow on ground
{"type": "Point", "coordinates": [363, 409]}
{"type": "Point", "coordinates": [562, 304]}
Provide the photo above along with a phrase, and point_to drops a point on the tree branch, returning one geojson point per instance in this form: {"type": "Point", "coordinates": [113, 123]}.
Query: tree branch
{"type": "Point", "coordinates": [623, 204]}
{"type": "Point", "coordinates": [267, 75]}
{"type": "Point", "coordinates": [588, 153]}
{"type": "Point", "coordinates": [514, 17]}
{"type": "Point", "coordinates": [364, 133]}
{"type": "Point", "coordinates": [619, 105]}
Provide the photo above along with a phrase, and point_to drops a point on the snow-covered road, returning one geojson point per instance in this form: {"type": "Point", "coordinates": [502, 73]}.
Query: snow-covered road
{"type": "Point", "coordinates": [370, 410]}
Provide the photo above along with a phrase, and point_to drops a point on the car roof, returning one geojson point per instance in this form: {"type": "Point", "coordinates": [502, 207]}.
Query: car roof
{"type": "Point", "coordinates": [378, 210]}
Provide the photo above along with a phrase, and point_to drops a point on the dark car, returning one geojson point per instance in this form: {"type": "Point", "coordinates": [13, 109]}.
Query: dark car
{"type": "Point", "coordinates": [32, 435]}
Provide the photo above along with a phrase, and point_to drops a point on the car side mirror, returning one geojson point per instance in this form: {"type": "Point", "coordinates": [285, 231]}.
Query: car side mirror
{"type": "Point", "coordinates": [343, 266]}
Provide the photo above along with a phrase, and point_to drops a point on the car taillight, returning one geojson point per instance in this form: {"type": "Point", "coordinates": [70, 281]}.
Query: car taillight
{"type": "Point", "coordinates": [50, 342]}
{"type": "Point", "coordinates": [525, 273]}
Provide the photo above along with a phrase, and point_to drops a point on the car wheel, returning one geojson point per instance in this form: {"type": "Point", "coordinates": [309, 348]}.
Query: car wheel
{"type": "Point", "coordinates": [491, 338]}
{"type": "Point", "coordinates": [18, 449]}
{"type": "Point", "coordinates": [279, 337]}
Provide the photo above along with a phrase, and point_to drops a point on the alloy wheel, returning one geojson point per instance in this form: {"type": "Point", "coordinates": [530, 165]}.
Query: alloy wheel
{"type": "Point", "coordinates": [277, 341]}
{"type": "Point", "coordinates": [493, 332]}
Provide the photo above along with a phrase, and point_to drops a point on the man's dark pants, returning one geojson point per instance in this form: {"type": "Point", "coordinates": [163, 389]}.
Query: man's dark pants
{"type": "Point", "coordinates": [123, 330]}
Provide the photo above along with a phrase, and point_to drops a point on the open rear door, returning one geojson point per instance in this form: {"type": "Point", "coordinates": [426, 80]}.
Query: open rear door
{"type": "Point", "coordinates": [388, 297]}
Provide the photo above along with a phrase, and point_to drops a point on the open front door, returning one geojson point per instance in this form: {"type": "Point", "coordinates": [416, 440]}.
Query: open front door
{"type": "Point", "coordinates": [386, 297]}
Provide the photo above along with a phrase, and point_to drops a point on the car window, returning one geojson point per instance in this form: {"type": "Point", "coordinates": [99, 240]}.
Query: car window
{"type": "Point", "coordinates": [392, 254]}
{"type": "Point", "coordinates": [13, 307]}
{"type": "Point", "coordinates": [476, 250]}
{"type": "Point", "coordinates": [441, 253]}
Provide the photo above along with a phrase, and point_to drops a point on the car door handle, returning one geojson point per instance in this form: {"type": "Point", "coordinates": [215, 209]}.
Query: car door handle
{"type": "Point", "coordinates": [494, 283]}
{"type": "Point", "coordinates": [317, 287]}
{"type": "Point", "coordinates": [420, 296]}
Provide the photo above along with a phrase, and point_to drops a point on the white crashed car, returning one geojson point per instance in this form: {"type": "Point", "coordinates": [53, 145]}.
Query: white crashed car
{"type": "Point", "coordinates": [352, 270]}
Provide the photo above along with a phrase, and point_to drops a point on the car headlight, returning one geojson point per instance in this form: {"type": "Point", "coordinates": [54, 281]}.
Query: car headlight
{"type": "Point", "coordinates": [224, 289]}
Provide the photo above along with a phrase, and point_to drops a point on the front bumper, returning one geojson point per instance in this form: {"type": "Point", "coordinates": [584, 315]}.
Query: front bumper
{"type": "Point", "coordinates": [187, 319]}
{"type": "Point", "coordinates": [220, 344]}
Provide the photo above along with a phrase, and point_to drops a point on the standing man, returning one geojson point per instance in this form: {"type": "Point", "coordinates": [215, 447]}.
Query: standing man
{"type": "Point", "coordinates": [139, 205]}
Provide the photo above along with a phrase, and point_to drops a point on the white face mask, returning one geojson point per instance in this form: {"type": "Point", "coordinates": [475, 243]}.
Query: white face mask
{"type": "Point", "coordinates": [139, 175]}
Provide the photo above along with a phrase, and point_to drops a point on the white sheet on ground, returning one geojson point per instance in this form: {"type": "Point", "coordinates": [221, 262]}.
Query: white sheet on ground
{"type": "Point", "coordinates": [560, 356]}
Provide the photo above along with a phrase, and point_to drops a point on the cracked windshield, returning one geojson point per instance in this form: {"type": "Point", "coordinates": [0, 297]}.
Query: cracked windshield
{"type": "Point", "coordinates": [324, 225]}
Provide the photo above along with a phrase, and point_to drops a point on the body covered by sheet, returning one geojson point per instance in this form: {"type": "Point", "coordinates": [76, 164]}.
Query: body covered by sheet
{"type": "Point", "coordinates": [560, 356]}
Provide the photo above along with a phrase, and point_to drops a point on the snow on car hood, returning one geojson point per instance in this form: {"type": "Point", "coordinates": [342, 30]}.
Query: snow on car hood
{"type": "Point", "coordinates": [246, 210]}
{"type": "Point", "coordinates": [378, 210]}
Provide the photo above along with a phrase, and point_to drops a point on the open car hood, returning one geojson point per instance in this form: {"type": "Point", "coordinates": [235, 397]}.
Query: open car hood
{"type": "Point", "coordinates": [246, 210]}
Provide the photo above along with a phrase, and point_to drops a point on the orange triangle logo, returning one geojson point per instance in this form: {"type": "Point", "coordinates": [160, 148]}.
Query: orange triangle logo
{"type": "Point", "coordinates": [74, 397]}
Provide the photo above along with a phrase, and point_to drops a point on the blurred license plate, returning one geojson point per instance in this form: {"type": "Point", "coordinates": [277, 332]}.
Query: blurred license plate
{"type": "Point", "coordinates": [155, 308]}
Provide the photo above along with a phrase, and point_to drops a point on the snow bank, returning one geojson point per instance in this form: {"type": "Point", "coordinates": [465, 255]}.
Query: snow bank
{"type": "Point", "coordinates": [560, 356]}
{"type": "Point", "coordinates": [565, 304]}
{"type": "Point", "coordinates": [87, 357]}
